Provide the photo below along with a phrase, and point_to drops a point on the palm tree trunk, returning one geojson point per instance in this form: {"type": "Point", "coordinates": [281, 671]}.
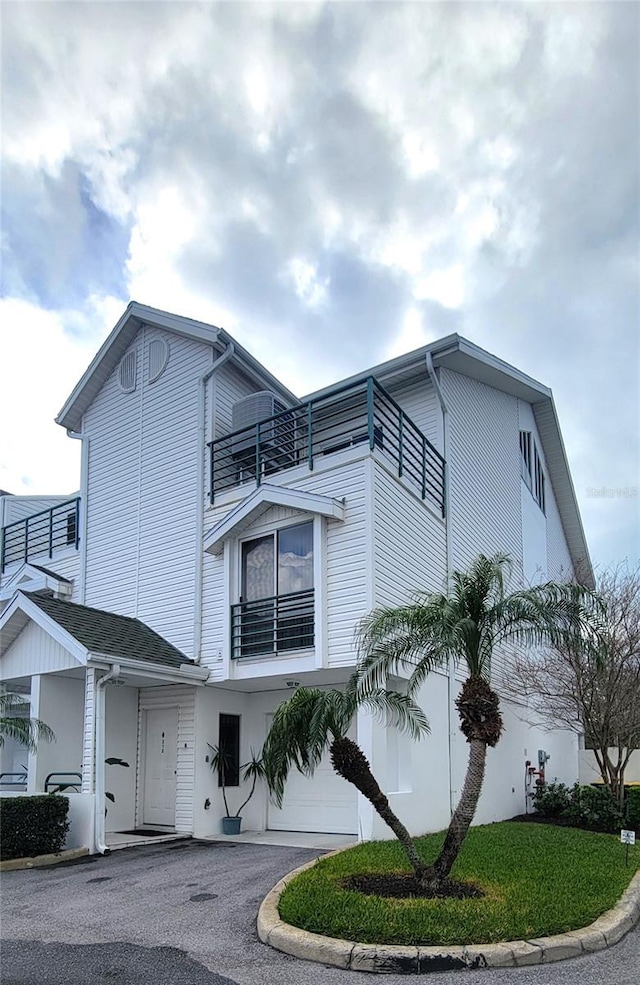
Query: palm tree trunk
{"type": "Point", "coordinates": [464, 812]}
{"type": "Point", "coordinates": [351, 763]}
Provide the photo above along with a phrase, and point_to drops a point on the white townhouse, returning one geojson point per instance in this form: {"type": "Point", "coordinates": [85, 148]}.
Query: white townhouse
{"type": "Point", "coordinates": [227, 539]}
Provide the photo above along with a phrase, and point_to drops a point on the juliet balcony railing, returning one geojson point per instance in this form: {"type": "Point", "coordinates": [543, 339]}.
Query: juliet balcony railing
{"type": "Point", "coordinates": [42, 534]}
{"type": "Point", "coordinates": [359, 413]}
{"type": "Point", "coordinates": [273, 625]}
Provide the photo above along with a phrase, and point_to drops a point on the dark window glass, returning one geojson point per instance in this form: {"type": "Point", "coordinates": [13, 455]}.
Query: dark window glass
{"type": "Point", "coordinates": [229, 743]}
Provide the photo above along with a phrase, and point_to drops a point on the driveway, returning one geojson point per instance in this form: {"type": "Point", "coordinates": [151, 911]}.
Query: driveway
{"type": "Point", "coordinates": [184, 913]}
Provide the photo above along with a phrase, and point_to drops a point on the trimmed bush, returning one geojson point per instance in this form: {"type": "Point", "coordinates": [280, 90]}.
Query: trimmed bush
{"type": "Point", "coordinates": [598, 810]}
{"type": "Point", "coordinates": [31, 826]}
{"type": "Point", "coordinates": [592, 808]}
{"type": "Point", "coordinates": [633, 808]}
{"type": "Point", "coordinates": [552, 799]}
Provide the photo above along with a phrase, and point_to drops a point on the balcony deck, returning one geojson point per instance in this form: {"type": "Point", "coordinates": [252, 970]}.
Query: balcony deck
{"type": "Point", "coordinates": [42, 534]}
{"type": "Point", "coordinates": [360, 413]}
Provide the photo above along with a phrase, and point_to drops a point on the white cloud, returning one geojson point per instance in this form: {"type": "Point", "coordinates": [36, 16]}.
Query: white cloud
{"type": "Point", "coordinates": [325, 179]}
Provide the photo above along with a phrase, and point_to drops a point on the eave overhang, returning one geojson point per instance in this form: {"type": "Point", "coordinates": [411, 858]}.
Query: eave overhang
{"type": "Point", "coordinates": [266, 496]}
{"type": "Point", "coordinates": [23, 610]}
{"type": "Point", "coordinates": [122, 335]}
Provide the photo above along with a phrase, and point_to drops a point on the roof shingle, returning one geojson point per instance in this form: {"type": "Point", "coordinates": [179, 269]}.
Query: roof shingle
{"type": "Point", "coordinates": [111, 634]}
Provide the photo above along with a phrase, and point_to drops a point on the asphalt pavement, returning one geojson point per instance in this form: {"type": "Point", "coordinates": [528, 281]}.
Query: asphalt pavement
{"type": "Point", "coordinates": [184, 913]}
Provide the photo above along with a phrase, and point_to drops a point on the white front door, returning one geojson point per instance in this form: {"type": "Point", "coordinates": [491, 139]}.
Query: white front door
{"type": "Point", "coordinates": [160, 766]}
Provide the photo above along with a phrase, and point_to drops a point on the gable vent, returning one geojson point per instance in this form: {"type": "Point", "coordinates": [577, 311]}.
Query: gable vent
{"type": "Point", "coordinates": [127, 372]}
{"type": "Point", "coordinates": [158, 359]}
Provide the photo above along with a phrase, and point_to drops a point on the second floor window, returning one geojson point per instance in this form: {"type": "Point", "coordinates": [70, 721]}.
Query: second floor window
{"type": "Point", "coordinates": [276, 602]}
{"type": "Point", "coordinates": [278, 564]}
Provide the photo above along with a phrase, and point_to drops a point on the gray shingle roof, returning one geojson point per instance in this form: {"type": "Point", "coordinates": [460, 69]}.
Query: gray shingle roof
{"type": "Point", "coordinates": [105, 632]}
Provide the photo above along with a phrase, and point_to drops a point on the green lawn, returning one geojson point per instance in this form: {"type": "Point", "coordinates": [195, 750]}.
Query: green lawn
{"type": "Point", "coordinates": [538, 879]}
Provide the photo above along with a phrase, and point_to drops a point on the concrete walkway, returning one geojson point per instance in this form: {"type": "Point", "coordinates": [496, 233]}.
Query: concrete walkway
{"type": "Point", "coordinates": [185, 912]}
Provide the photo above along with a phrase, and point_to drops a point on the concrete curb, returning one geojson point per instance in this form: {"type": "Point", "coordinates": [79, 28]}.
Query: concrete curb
{"type": "Point", "coordinates": [389, 958]}
{"type": "Point", "coordinates": [38, 860]}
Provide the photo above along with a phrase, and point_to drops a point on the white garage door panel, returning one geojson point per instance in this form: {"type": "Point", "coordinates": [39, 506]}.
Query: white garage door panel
{"type": "Point", "coordinates": [323, 803]}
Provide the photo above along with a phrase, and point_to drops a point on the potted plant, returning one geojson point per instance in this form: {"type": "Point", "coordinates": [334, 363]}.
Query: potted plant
{"type": "Point", "coordinates": [252, 771]}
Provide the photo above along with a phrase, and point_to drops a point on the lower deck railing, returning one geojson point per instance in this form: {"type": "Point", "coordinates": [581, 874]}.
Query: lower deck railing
{"type": "Point", "coordinates": [273, 625]}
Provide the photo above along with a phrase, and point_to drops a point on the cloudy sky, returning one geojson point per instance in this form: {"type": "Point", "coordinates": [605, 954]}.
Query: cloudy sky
{"type": "Point", "coordinates": [334, 184]}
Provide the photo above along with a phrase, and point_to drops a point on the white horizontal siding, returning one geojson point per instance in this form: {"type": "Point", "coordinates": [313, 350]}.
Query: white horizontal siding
{"type": "Point", "coordinates": [484, 470]}
{"type": "Point", "coordinates": [347, 573]}
{"type": "Point", "coordinates": [228, 386]}
{"type": "Point", "coordinates": [418, 399]}
{"type": "Point", "coordinates": [34, 652]}
{"type": "Point", "coordinates": [142, 495]}
{"type": "Point", "coordinates": [183, 698]}
{"type": "Point", "coordinates": [167, 553]}
{"type": "Point", "coordinates": [19, 507]}
{"type": "Point", "coordinates": [559, 563]}
{"type": "Point", "coordinates": [409, 543]}
{"type": "Point", "coordinates": [67, 567]}
{"type": "Point", "coordinates": [484, 478]}
{"type": "Point", "coordinates": [113, 425]}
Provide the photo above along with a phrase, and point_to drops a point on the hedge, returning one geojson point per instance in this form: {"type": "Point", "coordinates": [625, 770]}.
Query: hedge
{"type": "Point", "coordinates": [31, 826]}
{"type": "Point", "coordinates": [633, 808]}
{"type": "Point", "coordinates": [590, 807]}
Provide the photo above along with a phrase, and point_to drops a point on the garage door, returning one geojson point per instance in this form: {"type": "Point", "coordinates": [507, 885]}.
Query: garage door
{"type": "Point", "coordinates": [323, 803]}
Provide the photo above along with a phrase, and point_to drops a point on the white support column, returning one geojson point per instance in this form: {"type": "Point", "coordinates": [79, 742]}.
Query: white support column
{"type": "Point", "coordinates": [89, 734]}
{"type": "Point", "coordinates": [34, 712]}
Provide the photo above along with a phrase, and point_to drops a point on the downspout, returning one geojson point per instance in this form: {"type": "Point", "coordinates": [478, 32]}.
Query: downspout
{"type": "Point", "coordinates": [202, 434]}
{"type": "Point", "coordinates": [98, 834]}
{"type": "Point", "coordinates": [449, 559]}
{"type": "Point", "coordinates": [84, 495]}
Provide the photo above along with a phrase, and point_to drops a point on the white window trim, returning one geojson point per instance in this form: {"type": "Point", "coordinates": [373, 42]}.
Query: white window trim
{"type": "Point", "coordinates": [233, 587]}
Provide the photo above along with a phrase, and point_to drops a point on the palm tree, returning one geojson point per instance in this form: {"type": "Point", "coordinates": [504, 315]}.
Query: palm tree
{"type": "Point", "coordinates": [28, 731]}
{"type": "Point", "coordinates": [315, 720]}
{"type": "Point", "coordinates": [467, 624]}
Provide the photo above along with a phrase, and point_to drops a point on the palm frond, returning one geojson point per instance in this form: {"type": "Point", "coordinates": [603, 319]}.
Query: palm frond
{"type": "Point", "coordinates": [299, 735]}
{"type": "Point", "coordinates": [28, 731]}
{"type": "Point", "coordinates": [399, 711]}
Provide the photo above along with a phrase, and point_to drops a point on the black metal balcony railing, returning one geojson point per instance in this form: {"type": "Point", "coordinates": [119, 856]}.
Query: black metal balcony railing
{"type": "Point", "coordinates": [355, 414]}
{"type": "Point", "coordinates": [42, 534]}
{"type": "Point", "coordinates": [273, 625]}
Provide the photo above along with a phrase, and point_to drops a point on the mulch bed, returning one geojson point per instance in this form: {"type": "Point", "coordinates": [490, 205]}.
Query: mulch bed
{"type": "Point", "coordinates": [407, 887]}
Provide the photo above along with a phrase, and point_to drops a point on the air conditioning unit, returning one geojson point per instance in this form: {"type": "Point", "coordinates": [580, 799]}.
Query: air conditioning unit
{"type": "Point", "coordinates": [257, 407]}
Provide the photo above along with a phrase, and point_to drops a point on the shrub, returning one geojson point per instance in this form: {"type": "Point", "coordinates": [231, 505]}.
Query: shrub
{"type": "Point", "coordinates": [633, 808]}
{"type": "Point", "coordinates": [552, 799]}
{"type": "Point", "coordinates": [598, 810]}
{"type": "Point", "coordinates": [593, 808]}
{"type": "Point", "coordinates": [32, 826]}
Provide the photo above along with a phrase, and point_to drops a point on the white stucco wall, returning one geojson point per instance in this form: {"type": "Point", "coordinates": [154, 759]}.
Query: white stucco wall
{"type": "Point", "coordinates": [61, 706]}
{"type": "Point", "coordinates": [122, 742]}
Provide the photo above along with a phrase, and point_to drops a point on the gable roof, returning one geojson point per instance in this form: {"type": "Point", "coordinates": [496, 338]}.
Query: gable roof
{"type": "Point", "coordinates": [120, 338]}
{"type": "Point", "coordinates": [264, 497]}
{"type": "Point", "coordinates": [109, 634]}
{"type": "Point", "coordinates": [33, 577]}
{"type": "Point", "coordinates": [452, 352]}
{"type": "Point", "coordinates": [462, 356]}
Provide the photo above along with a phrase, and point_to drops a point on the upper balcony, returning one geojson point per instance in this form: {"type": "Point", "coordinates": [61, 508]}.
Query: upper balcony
{"type": "Point", "coordinates": [41, 534]}
{"type": "Point", "coordinates": [361, 413]}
